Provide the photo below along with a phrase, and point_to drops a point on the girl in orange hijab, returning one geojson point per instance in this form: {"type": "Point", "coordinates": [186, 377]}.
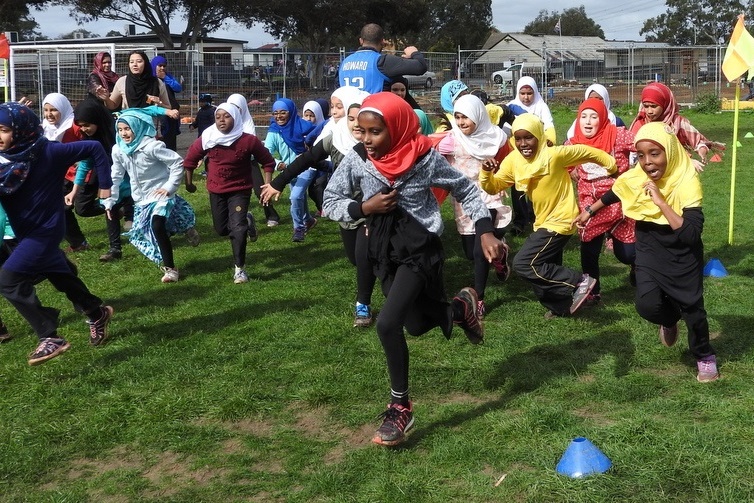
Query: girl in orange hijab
{"type": "Point", "coordinates": [593, 128]}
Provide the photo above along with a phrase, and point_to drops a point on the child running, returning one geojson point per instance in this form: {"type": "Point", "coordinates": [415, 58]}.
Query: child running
{"type": "Point", "coordinates": [285, 139]}
{"type": "Point", "coordinates": [394, 169]}
{"type": "Point", "coordinates": [665, 199]}
{"type": "Point", "coordinates": [229, 182]}
{"type": "Point", "coordinates": [336, 144]}
{"type": "Point", "coordinates": [156, 173]}
{"type": "Point", "coordinates": [658, 105]}
{"type": "Point", "coordinates": [472, 141]}
{"type": "Point", "coordinates": [31, 171]}
{"type": "Point", "coordinates": [595, 129]}
{"type": "Point", "coordinates": [540, 172]}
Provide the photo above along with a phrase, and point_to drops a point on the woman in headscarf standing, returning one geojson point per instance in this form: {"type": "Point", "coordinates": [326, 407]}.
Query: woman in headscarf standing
{"type": "Point", "coordinates": [102, 78]}
{"type": "Point", "coordinates": [139, 88]}
{"type": "Point", "coordinates": [169, 127]}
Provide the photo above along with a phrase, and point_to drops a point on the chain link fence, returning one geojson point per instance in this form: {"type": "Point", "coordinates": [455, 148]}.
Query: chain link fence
{"type": "Point", "coordinates": [562, 73]}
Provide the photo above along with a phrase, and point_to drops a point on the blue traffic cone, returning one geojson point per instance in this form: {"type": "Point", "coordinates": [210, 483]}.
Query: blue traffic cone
{"type": "Point", "coordinates": [715, 269]}
{"type": "Point", "coordinates": [582, 458]}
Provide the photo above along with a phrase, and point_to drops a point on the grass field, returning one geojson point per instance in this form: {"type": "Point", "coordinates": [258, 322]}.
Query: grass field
{"type": "Point", "coordinates": [215, 392]}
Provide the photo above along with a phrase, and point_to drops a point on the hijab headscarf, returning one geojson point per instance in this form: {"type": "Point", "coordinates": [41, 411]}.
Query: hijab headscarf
{"type": "Point", "coordinates": [94, 112]}
{"type": "Point", "coordinates": [315, 108]}
{"type": "Point", "coordinates": [108, 78]}
{"type": "Point", "coordinates": [212, 136]}
{"type": "Point", "coordinates": [604, 139]}
{"type": "Point", "coordinates": [602, 91]}
{"type": "Point", "coordinates": [295, 129]}
{"type": "Point", "coordinates": [537, 166]}
{"type": "Point", "coordinates": [349, 95]}
{"type": "Point", "coordinates": [157, 61]}
{"type": "Point", "coordinates": [55, 132]}
{"type": "Point", "coordinates": [28, 142]}
{"type": "Point", "coordinates": [538, 105]}
{"type": "Point", "coordinates": [342, 137]}
{"type": "Point", "coordinates": [424, 122]}
{"type": "Point", "coordinates": [406, 144]}
{"type": "Point", "coordinates": [450, 92]}
{"type": "Point", "coordinates": [659, 94]}
{"type": "Point", "coordinates": [142, 126]}
{"type": "Point", "coordinates": [239, 100]}
{"type": "Point", "coordinates": [680, 185]}
{"type": "Point", "coordinates": [325, 104]}
{"type": "Point", "coordinates": [138, 86]}
{"type": "Point", "coordinates": [410, 99]}
{"type": "Point", "coordinates": [486, 140]}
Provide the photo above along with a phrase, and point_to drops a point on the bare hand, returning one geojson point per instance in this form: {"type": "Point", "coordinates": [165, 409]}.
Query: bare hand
{"type": "Point", "coordinates": [490, 164]}
{"type": "Point", "coordinates": [492, 246]}
{"type": "Point", "coordinates": [268, 193]}
{"type": "Point", "coordinates": [408, 51]}
{"type": "Point", "coordinates": [380, 203]}
{"type": "Point", "coordinates": [652, 191]}
{"type": "Point", "coordinates": [698, 165]}
{"type": "Point", "coordinates": [280, 166]}
{"type": "Point", "coordinates": [104, 193]}
{"type": "Point", "coordinates": [154, 100]}
{"type": "Point", "coordinates": [161, 192]}
{"type": "Point", "coordinates": [69, 198]}
{"type": "Point", "coordinates": [574, 174]}
{"type": "Point", "coordinates": [580, 221]}
{"type": "Point", "coordinates": [25, 101]}
{"type": "Point", "coordinates": [173, 114]}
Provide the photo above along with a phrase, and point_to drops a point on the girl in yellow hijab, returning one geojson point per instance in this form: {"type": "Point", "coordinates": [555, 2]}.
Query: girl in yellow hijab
{"type": "Point", "coordinates": [540, 171]}
{"type": "Point", "coordinates": [664, 195]}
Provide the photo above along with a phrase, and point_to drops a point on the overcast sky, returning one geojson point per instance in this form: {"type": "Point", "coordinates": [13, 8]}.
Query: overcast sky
{"type": "Point", "coordinates": [619, 20]}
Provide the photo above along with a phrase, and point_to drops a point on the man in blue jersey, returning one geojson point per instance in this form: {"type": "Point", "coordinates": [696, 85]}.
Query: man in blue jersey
{"type": "Point", "coordinates": [369, 69]}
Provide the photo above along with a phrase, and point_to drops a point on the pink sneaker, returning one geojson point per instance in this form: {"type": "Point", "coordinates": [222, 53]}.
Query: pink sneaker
{"type": "Point", "coordinates": [707, 369]}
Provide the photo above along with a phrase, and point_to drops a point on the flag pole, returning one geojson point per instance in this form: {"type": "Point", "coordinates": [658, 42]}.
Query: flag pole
{"type": "Point", "coordinates": [733, 163]}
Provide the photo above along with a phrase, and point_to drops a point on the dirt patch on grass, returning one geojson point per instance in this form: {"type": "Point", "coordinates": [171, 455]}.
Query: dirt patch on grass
{"type": "Point", "coordinates": [592, 415]}
{"type": "Point", "coordinates": [171, 472]}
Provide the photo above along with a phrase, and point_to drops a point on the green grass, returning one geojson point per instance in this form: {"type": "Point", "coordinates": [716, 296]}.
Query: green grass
{"type": "Point", "coordinates": [210, 391]}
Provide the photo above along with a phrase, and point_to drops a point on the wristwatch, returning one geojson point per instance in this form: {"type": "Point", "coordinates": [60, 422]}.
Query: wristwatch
{"type": "Point", "coordinates": [588, 209]}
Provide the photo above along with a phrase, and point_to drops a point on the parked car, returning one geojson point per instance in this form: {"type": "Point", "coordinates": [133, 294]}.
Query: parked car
{"type": "Point", "coordinates": [425, 80]}
{"type": "Point", "coordinates": [506, 75]}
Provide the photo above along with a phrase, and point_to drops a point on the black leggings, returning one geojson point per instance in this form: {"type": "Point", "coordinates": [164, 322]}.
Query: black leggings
{"type": "Point", "coordinates": [590, 256]}
{"type": "Point", "coordinates": [407, 305]}
{"type": "Point", "coordinates": [159, 227]}
{"type": "Point", "coordinates": [355, 245]}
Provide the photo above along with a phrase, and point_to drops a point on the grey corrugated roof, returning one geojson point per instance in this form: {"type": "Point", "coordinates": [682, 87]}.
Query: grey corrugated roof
{"type": "Point", "coordinates": [520, 46]}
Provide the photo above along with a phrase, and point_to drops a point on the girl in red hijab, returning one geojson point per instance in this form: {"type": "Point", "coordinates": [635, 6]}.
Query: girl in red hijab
{"type": "Point", "coordinates": [394, 168]}
{"type": "Point", "coordinates": [593, 128]}
{"type": "Point", "coordinates": [658, 105]}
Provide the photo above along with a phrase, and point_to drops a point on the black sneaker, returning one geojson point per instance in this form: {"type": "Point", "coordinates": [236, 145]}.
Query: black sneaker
{"type": "Point", "coordinates": [112, 254]}
{"type": "Point", "coordinates": [252, 227]}
{"type": "Point", "coordinates": [98, 328]}
{"type": "Point", "coordinates": [396, 421]}
{"type": "Point", "coordinates": [299, 234]}
{"type": "Point", "coordinates": [310, 224]}
{"type": "Point", "coordinates": [4, 334]}
{"type": "Point", "coordinates": [465, 305]}
{"type": "Point", "coordinates": [48, 348]}
{"type": "Point", "coordinates": [583, 289]}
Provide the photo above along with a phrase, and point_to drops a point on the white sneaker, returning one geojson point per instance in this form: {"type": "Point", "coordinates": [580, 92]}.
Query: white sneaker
{"type": "Point", "coordinates": [192, 236]}
{"type": "Point", "coordinates": [170, 276]}
{"type": "Point", "coordinates": [240, 276]}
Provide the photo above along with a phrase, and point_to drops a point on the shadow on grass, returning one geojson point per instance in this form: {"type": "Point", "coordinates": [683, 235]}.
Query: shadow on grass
{"type": "Point", "coordinates": [735, 258]}
{"type": "Point", "coordinates": [526, 372]}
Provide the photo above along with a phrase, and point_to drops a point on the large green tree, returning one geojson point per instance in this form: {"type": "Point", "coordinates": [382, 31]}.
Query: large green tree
{"type": "Point", "coordinates": [15, 16]}
{"type": "Point", "coordinates": [450, 23]}
{"type": "Point", "coordinates": [199, 16]}
{"type": "Point", "coordinates": [694, 22]}
{"type": "Point", "coordinates": [573, 22]}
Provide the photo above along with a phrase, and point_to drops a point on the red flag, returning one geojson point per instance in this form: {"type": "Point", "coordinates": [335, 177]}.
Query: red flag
{"type": "Point", "coordinates": [4, 47]}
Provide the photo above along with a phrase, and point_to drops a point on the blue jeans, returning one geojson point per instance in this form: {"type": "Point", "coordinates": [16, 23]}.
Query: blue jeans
{"type": "Point", "coordinates": [299, 207]}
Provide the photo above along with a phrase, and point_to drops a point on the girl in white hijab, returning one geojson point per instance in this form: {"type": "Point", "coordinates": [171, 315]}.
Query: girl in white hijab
{"type": "Point", "coordinates": [58, 116]}
{"type": "Point", "coordinates": [528, 98]}
{"type": "Point", "coordinates": [239, 100]}
{"type": "Point", "coordinates": [472, 142]}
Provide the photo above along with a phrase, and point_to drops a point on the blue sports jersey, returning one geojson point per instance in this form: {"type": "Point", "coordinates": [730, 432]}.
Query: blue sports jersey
{"type": "Point", "coordinates": [360, 70]}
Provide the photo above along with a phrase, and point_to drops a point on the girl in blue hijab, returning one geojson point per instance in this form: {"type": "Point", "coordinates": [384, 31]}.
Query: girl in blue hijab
{"type": "Point", "coordinates": [285, 141]}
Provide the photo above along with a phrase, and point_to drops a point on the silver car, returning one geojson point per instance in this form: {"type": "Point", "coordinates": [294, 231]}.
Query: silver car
{"type": "Point", "coordinates": [425, 80]}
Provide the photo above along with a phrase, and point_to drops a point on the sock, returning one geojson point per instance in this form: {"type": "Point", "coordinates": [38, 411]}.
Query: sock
{"type": "Point", "coordinates": [399, 397]}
